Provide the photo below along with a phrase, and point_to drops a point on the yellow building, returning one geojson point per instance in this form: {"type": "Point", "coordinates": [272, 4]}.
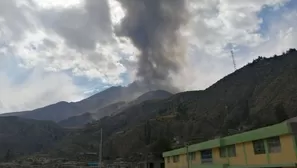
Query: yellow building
{"type": "Point", "coordinates": [273, 146]}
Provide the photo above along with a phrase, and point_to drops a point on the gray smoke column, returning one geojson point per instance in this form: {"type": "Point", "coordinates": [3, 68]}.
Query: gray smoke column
{"type": "Point", "coordinates": [154, 27]}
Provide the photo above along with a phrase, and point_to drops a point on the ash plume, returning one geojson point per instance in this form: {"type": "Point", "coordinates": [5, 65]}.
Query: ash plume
{"type": "Point", "coordinates": [154, 27]}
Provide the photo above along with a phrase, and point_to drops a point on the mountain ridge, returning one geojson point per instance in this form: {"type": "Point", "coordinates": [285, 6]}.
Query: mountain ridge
{"type": "Point", "coordinates": [259, 94]}
{"type": "Point", "coordinates": [112, 109]}
{"type": "Point", "coordinates": [63, 110]}
{"type": "Point", "coordinates": [247, 99]}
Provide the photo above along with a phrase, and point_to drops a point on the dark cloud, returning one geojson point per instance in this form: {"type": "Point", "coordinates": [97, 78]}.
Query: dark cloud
{"type": "Point", "coordinates": [154, 28]}
{"type": "Point", "coordinates": [81, 27]}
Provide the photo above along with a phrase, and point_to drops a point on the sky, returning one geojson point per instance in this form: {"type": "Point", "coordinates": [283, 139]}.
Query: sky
{"type": "Point", "coordinates": [53, 50]}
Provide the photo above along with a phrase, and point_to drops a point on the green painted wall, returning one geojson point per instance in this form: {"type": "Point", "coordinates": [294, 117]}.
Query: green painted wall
{"type": "Point", "coordinates": [175, 152]}
{"type": "Point", "coordinates": [262, 133]}
{"type": "Point", "coordinates": [205, 145]}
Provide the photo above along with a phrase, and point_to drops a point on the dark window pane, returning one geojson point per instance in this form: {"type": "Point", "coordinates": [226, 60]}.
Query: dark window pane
{"type": "Point", "coordinates": [231, 151]}
{"type": "Point", "coordinates": [206, 156]}
{"type": "Point", "coordinates": [259, 147]}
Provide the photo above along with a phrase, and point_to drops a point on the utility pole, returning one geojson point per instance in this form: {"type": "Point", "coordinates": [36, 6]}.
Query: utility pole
{"type": "Point", "coordinates": [233, 59]}
{"type": "Point", "coordinates": [187, 154]}
{"type": "Point", "coordinates": [100, 150]}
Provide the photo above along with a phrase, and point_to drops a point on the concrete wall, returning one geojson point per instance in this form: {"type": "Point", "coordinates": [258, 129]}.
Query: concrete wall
{"type": "Point", "coordinates": [245, 156]}
{"type": "Point", "coordinates": [216, 157]}
{"type": "Point", "coordinates": [253, 159]}
{"type": "Point", "coordinates": [182, 163]}
{"type": "Point", "coordinates": [239, 159]}
{"type": "Point", "coordinates": [287, 154]}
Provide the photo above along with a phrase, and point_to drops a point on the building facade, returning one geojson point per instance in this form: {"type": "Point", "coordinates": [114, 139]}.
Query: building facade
{"type": "Point", "coordinates": [273, 146]}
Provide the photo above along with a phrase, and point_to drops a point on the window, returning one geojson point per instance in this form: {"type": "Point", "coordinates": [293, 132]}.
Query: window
{"type": "Point", "coordinates": [231, 151]}
{"type": "Point", "coordinates": [175, 158]}
{"type": "Point", "coordinates": [274, 145]}
{"type": "Point", "coordinates": [259, 147]}
{"type": "Point", "coordinates": [223, 152]}
{"type": "Point", "coordinates": [228, 151]}
{"type": "Point", "coordinates": [168, 159]}
{"type": "Point", "coordinates": [206, 156]}
{"type": "Point", "coordinates": [193, 155]}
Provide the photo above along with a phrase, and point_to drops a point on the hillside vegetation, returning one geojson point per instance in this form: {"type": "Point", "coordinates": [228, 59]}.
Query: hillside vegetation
{"type": "Point", "coordinates": [112, 109]}
{"type": "Point", "coordinates": [19, 137]}
{"type": "Point", "coordinates": [260, 94]}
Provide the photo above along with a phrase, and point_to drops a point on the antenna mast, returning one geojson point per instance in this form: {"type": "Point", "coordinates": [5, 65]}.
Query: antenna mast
{"type": "Point", "coordinates": [233, 59]}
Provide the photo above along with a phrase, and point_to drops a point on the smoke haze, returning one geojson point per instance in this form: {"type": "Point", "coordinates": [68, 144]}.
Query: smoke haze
{"type": "Point", "coordinates": [154, 27]}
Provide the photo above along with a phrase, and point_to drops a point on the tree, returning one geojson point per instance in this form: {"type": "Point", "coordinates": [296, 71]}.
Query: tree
{"type": "Point", "coordinates": [280, 113]}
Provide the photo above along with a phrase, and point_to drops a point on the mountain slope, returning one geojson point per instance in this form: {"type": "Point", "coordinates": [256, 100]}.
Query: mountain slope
{"type": "Point", "coordinates": [54, 112]}
{"type": "Point", "coordinates": [157, 94]}
{"type": "Point", "coordinates": [112, 109]}
{"type": "Point", "coordinates": [63, 110]}
{"type": "Point", "coordinates": [243, 100]}
{"type": "Point", "coordinates": [77, 121]}
{"type": "Point", "coordinates": [20, 136]}
{"type": "Point", "coordinates": [112, 95]}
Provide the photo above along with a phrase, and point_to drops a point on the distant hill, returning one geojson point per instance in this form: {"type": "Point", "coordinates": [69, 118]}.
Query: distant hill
{"type": "Point", "coordinates": [63, 110]}
{"type": "Point", "coordinates": [112, 95]}
{"type": "Point", "coordinates": [54, 112]}
{"type": "Point", "coordinates": [259, 94]}
{"type": "Point", "coordinates": [112, 109]}
{"type": "Point", "coordinates": [20, 136]}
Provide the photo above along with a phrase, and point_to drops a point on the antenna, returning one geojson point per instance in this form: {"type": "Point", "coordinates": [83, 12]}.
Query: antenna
{"type": "Point", "coordinates": [233, 59]}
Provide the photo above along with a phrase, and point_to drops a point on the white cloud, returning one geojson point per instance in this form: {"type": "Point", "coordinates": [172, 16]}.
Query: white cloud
{"type": "Point", "coordinates": [217, 25]}
{"type": "Point", "coordinates": [38, 90]}
{"type": "Point", "coordinates": [72, 36]}
{"type": "Point", "coordinates": [58, 3]}
{"type": "Point", "coordinates": [50, 52]}
{"type": "Point", "coordinates": [280, 37]}
{"type": "Point", "coordinates": [78, 36]}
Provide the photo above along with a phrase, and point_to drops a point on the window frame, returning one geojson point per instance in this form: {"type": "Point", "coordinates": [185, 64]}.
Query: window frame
{"type": "Point", "coordinates": [207, 159]}
{"type": "Point", "coordinates": [193, 156]}
{"type": "Point", "coordinates": [231, 150]}
{"type": "Point", "coordinates": [175, 158]}
{"type": "Point", "coordinates": [274, 144]}
{"type": "Point", "coordinates": [168, 159]}
{"type": "Point", "coordinates": [228, 151]}
{"type": "Point", "coordinates": [260, 144]}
